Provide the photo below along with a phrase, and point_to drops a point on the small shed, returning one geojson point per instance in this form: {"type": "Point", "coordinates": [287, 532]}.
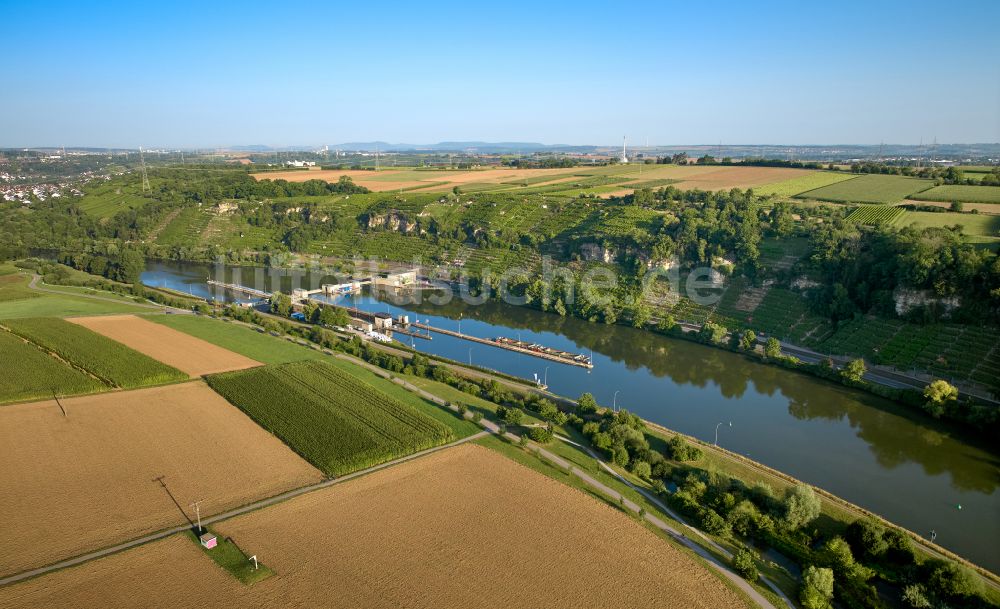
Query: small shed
{"type": "Point", "coordinates": [208, 540]}
{"type": "Point", "coordinates": [383, 321]}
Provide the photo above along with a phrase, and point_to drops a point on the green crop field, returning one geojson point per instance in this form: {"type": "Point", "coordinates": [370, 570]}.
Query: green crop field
{"type": "Point", "coordinates": [268, 349]}
{"type": "Point", "coordinates": [875, 214]}
{"type": "Point", "coordinates": [335, 421]}
{"type": "Point", "coordinates": [785, 314]}
{"type": "Point", "coordinates": [802, 184]}
{"type": "Point", "coordinates": [978, 228]}
{"type": "Point", "coordinates": [31, 374]}
{"type": "Point", "coordinates": [186, 228]}
{"type": "Point", "coordinates": [51, 305]}
{"type": "Point", "coordinates": [947, 350]}
{"type": "Point", "coordinates": [540, 179]}
{"type": "Point", "coordinates": [18, 300]}
{"type": "Point", "coordinates": [105, 200]}
{"type": "Point", "coordinates": [965, 194]}
{"type": "Point", "coordinates": [110, 361]}
{"type": "Point", "coordinates": [15, 287]}
{"type": "Point", "coordinates": [869, 189]}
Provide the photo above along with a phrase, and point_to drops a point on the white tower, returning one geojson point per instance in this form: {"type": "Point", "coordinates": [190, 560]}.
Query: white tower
{"type": "Point", "coordinates": [624, 158]}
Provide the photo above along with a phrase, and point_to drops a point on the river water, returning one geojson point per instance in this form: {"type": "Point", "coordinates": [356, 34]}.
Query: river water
{"type": "Point", "coordinates": [901, 465]}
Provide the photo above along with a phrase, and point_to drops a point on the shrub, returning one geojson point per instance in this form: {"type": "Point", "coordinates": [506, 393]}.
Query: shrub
{"type": "Point", "coordinates": [510, 415]}
{"type": "Point", "coordinates": [743, 518]}
{"type": "Point", "coordinates": [621, 456]}
{"type": "Point", "coordinates": [867, 537]}
{"type": "Point", "coordinates": [542, 435]}
{"type": "Point", "coordinates": [838, 555]}
{"type": "Point", "coordinates": [642, 469]}
{"type": "Point", "coordinates": [772, 348]}
{"type": "Point", "coordinates": [854, 370]}
{"type": "Point", "coordinates": [679, 450]}
{"type": "Point", "coordinates": [586, 404]}
{"type": "Point", "coordinates": [816, 589]}
{"type": "Point", "coordinates": [950, 580]}
{"type": "Point", "coordinates": [938, 394]}
{"type": "Point", "coordinates": [913, 596]}
{"type": "Point", "coordinates": [712, 523]}
{"type": "Point", "coordinates": [745, 563]}
{"type": "Point", "coordinates": [801, 506]}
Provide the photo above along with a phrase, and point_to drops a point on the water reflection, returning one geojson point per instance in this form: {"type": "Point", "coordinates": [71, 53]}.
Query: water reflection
{"type": "Point", "coordinates": [893, 434]}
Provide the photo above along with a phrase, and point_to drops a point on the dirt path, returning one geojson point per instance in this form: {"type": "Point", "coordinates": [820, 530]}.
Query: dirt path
{"type": "Point", "coordinates": [33, 284]}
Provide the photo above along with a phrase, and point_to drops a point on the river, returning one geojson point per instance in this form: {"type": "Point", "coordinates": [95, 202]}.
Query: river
{"type": "Point", "coordinates": [913, 471]}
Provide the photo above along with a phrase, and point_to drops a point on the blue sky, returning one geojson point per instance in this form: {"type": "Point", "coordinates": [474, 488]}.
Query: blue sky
{"type": "Point", "coordinates": [178, 74]}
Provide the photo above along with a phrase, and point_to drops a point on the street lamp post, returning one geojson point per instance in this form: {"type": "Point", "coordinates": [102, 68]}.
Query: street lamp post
{"type": "Point", "coordinates": [614, 402]}
{"type": "Point", "coordinates": [545, 381]}
{"type": "Point", "coordinates": [717, 432]}
{"type": "Point", "coordinates": [470, 356]}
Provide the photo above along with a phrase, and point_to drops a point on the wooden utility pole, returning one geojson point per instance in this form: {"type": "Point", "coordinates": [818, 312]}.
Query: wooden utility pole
{"type": "Point", "coordinates": [197, 510]}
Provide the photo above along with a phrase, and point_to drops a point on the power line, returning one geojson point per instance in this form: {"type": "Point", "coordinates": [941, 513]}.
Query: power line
{"type": "Point", "coordinates": [145, 177]}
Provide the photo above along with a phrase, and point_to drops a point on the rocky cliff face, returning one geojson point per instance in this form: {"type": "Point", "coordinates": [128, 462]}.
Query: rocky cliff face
{"type": "Point", "coordinates": [593, 251]}
{"type": "Point", "coordinates": [393, 221]}
{"type": "Point", "coordinates": [603, 253]}
{"type": "Point", "coordinates": [907, 299]}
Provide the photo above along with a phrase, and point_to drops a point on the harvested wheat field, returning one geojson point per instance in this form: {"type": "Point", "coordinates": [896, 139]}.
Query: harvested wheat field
{"type": "Point", "coordinates": [464, 527]}
{"type": "Point", "coordinates": [182, 351]}
{"type": "Point", "coordinates": [739, 177]}
{"type": "Point", "coordinates": [431, 181]}
{"type": "Point", "coordinates": [329, 175]}
{"type": "Point", "coordinates": [87, 480]}
{"type": "Point", "coordinates": [171, 573]}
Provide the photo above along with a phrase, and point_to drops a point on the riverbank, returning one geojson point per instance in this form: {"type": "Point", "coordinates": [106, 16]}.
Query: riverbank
{"type": "Point", "coordinates": [840, 511]}
{"type": "Point", "coordinates": [889, 459]}
{"type": "Point", "coordinates": [731, 464]}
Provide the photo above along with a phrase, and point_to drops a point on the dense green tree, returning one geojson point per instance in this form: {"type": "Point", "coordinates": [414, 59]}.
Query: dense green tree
{"type": "Point", "coordinates": [854, 370]}
{"type": "Point", "coordinates": [801, 506]}
{"type": "Point", "coordinates": [510, 415]}
{"type": "Point", "coordinates": [950, 580]}
{"type": "Point", "coordinates": [816, 589]}
{"type": "Point", "coordinates": [334, 317]}
{"type": "Point", "coordinates": [542, 435]}
{"type": "Point", "coordinates": [937, 395]}
{"type": "Point", "coordinates": [586, 404]}
{"type": "Point", "coordinates": [281, 304]}
{"type": "Point", "coordinates": [867, 538]}
{"type": "Point", "coordinates": [915, 596]}
{"type": "Point", "coordinates": [838, 555]}
{"type": "Point", "coordinates": [772, 348]}
{"type": "Point", "coordinates": [642, 469]}
{"type": "Point", "coordinates": [679, 449]}
{"type": "Point", "coordinates": [712, 332]}
{"type": "Point", "coordinates": [745, 563]}
{"type": "Point", "coordinates": [667, 323]}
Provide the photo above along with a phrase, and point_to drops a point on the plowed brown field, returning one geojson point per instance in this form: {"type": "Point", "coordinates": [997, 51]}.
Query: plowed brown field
{"type": "Point", "coordinates": [86, 481]}
{"type": "Point", "coordinates": [462, 528]}
{"type": "Point", "coordinates": [182, 351]}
